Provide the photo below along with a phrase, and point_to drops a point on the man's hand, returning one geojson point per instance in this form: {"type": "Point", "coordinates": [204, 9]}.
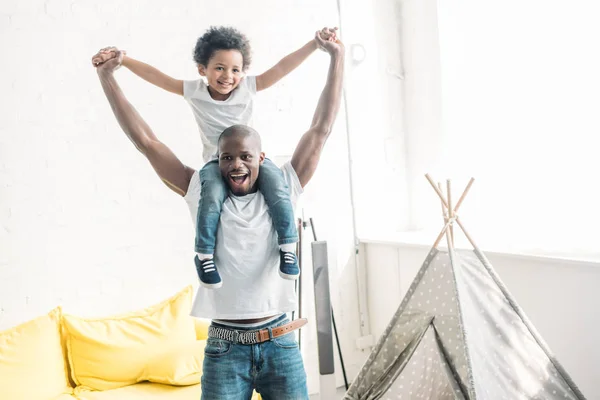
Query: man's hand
{"type": "Point", "coordinates": [326, 34]}
{"type": "Point", "coordinates": [327, 41]}
{"type": "Point", "coordinates": [108, 59]}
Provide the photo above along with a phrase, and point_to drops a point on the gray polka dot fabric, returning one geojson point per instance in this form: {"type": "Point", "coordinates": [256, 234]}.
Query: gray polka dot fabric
{"type": "Point", "coordinates": [459, 335]}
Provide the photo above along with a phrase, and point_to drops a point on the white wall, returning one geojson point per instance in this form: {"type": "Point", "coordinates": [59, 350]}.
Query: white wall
{"type": "Point", "coordinates": [559, 297]}
{"type": "Point", "coordinates": [84, 221]}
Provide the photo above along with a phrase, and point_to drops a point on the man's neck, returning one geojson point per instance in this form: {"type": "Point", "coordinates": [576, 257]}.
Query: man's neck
{"type": "Point", "coordinates": [252, 191]}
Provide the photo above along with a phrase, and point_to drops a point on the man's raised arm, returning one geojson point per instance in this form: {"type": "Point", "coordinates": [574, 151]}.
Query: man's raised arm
{"type": "Point", "coordinates": [168, 167]}
{"type": "Point", "coordinates": [308, 151]}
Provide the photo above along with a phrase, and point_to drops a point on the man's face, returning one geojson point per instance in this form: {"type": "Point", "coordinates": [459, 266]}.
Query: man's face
{"type": "Point", "coordinates": [239, 160]}
{"type": "Point", "coordinates": [223, 73]}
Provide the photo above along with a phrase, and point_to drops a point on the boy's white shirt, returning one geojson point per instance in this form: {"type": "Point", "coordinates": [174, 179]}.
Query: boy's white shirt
{"type": "Point", "coordinates": [247, 256]}
{"type": "Point", "coordinates": [214, 116]}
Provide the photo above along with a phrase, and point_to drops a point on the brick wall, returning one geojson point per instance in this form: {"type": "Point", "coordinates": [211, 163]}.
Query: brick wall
{"type": "Point", "coordinates": [84, 221]}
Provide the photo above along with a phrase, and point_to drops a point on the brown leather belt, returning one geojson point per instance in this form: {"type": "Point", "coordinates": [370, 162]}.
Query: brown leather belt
{"type": "Point", "coordinates": [254, 337]}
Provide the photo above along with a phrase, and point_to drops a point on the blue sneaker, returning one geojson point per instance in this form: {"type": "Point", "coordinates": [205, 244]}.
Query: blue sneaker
{"type": "Point", "coordinates": [207, 271]}
{"type": "Point", "coordinates": [288, 265]}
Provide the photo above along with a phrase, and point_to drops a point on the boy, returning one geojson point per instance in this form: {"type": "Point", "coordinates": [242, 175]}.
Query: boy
{"type": "Point", "coordinates": [223, 55]}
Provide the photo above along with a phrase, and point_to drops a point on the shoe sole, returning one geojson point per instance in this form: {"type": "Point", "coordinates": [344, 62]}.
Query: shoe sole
{"type": "Point", "coordinates": [289, 277]}
{"type": "Point", "coordinates": [211, 285]}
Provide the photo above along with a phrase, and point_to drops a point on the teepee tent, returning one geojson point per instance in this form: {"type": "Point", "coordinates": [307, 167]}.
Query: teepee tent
{"type": "Point", "coordinates": [458, 334]}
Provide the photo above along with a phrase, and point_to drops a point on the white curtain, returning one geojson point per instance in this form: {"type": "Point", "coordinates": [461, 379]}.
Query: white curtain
{"type": "Point", "coordinates": [521, 113]}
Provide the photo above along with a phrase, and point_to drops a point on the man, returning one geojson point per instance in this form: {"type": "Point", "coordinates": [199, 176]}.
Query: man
{"type": "Point", "coordinates": [249, 345]}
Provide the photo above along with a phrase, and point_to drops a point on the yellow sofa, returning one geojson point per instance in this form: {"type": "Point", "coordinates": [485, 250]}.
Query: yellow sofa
{"type": "Point", "coordinates": [151, 354]}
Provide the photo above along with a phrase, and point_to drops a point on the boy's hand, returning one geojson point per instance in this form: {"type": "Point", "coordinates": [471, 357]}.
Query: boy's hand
{"type": "Point", "coordinates": [106, 54]}
{"type": "Point", "coordinates": [327, 40]}
{"type": "Point", "coordinates": [327, 35]}
{"type": "Point", "coordinates": [108, 61]}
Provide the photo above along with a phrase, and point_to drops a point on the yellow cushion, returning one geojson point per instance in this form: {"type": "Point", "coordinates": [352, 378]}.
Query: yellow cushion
{"type": "Point", "coordinates": [149, 391]}
{"type": "Point", "coordinates": [145, 391]}
{"type": "Point", "coordinates": [108, 353]}
{"type": "Point", "coordinates": [180, 365]}
{"type": "Point", "coordinates": [201, 328]}
{"type": "Point", "coordinates": [32, 365]}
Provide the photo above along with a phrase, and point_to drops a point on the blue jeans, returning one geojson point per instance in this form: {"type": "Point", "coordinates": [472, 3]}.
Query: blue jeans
{"type": "Point", "coordinates": [274, 368]}
{"type": "Point", "coordinates": [214, 191]}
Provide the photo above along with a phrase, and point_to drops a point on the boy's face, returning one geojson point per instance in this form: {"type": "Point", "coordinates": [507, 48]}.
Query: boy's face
{"type": "Point", "coordinates": [223, 73]}
{"type": "Point", "coordinates": [239, 160]}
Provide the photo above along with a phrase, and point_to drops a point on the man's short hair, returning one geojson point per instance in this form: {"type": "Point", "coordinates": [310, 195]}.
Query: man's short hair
{"type": "Point", "coordinates": [222, 38]}
{"type": "Point", "coordinates": [240, 131]}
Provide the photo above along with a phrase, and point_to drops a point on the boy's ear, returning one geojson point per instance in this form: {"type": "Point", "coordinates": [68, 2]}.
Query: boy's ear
{"type": "Point", "coordinates": [202, 70]}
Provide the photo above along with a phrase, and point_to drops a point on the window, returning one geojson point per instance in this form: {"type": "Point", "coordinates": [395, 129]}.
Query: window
{"type": "Point", "coordinates": [521, 113]}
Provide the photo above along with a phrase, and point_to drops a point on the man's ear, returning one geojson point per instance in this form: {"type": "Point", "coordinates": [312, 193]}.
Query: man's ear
{"type": "Point", "coordinates": [202, 70]}
{"type": "Point", "coordinates": [261, 157]}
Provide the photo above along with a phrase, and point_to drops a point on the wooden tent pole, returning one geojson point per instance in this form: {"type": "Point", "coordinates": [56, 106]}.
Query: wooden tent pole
{"type": "Point", "coordinates": [462, 197]}
{"type": "Point", "coordinates": [466, 233]}
{"type": "Point", "coordinates": [450, 212]}
{"type": "Point", "coordinates": [444, 210]}
{"type": "Point", "coordinates": [438, 191]}
{"type": "Point", "coordinates": [441, 235]}
{"type": "Point", "coordinates": [449, 239]}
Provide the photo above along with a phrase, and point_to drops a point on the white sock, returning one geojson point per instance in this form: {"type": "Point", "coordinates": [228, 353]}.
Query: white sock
{"type": "Point", "coordinates": [202, 256]}
{"type": "Point", "coordinates": [289, 247]}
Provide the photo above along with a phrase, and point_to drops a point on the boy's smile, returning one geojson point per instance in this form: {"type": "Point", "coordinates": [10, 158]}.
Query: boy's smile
{"type": "Point", "coordinates": [223, 73]}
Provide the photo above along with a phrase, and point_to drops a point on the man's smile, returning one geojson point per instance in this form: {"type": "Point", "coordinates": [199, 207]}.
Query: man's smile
{"type": "Point", "coordinates": [237, 179]}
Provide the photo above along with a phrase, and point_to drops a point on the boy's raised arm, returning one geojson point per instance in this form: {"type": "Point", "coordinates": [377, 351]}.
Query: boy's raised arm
{"type": "Point", "coordinates": [290, 62]}
{"type": "Point", "coordinates": [141, 69]}
{"type": "Point", "coordinates": [153, 75]}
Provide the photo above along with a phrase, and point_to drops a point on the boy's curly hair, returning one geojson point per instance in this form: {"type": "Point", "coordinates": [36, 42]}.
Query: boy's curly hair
{"type": "Point", "coordinates": [222, 38]}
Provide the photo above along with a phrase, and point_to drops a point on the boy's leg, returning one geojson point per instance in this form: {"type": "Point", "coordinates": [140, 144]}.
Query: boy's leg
{"type": "Point", "coordinates": [277, 196]}
{"type": "Point", "coordinates": [213, 193]}
{"type": "Point", "coordinates": [282, 375]}
{"type": "Point", "coordinates": [226, 371]}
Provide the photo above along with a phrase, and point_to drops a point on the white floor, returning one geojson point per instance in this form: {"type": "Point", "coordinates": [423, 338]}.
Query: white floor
{"type": "Point", "coordinates": [340, 393]}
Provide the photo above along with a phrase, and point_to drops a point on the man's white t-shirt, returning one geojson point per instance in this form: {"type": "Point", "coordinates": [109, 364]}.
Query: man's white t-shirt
{"type": "Point", "coordinates": [247, 257]}
{"type": "Point", "coordinates": [214, 116]}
